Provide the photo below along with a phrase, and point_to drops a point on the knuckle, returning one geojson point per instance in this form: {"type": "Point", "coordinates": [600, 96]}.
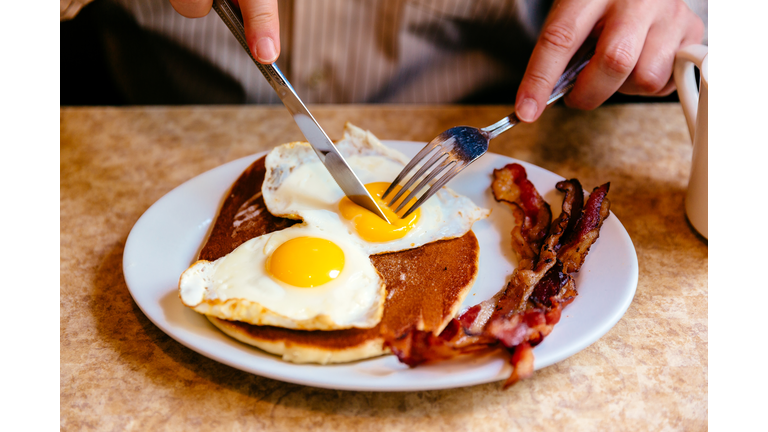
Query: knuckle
{"type": "Point", "coordinates": [697, 28]}
{"type": "Point", "coordinates": [650, 81]}
{"type": "Point", "coordinates": [681, 9]}
{"type": "Point", "coordinates": [537, 80]}
{"type": "Point", "coordinates": [681, 13]}
{"type": "Point", "coordinates": [262, 17]}
{"type": "Point", "coordinates": [619, 60]}
{"type": "Point", "coordinates": [559, 36]}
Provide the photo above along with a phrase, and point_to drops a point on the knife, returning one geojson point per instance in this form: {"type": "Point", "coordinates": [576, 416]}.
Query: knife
{"type": "Point", "coordinates": [327, 152]}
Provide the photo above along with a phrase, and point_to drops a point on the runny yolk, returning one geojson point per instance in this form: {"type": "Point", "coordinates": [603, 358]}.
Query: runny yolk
{"type": "Point", "coordinates": [306, 262]}
{"type": "Point", "coordinates": [371, 227]}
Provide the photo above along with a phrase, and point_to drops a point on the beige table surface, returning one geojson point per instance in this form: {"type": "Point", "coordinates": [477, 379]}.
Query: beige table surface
{"type": "Point", "coordinates": [120, 372]}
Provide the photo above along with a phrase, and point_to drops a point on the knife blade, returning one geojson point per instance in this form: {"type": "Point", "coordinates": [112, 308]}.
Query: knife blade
{"type": "Point", "coordinates": [327, 152]}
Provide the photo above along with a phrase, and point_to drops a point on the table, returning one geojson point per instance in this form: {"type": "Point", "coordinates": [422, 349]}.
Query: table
{"type": "Point", "coordinates": [120, 372]}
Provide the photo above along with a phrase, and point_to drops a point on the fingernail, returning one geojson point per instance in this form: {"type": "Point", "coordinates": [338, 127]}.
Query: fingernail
{"type": "Point", "coordinates": [527, 110]}
{"type": "Point", "coordinates": [265, 50]}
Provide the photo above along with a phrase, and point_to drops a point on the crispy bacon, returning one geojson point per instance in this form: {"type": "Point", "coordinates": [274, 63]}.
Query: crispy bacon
{"type": "Point", "coordinates": [415, 347]}
{"type": "Point", "coordinates": [531, 326]}
{"type": "Point", "coordinates": [474, 319]}
{"type": "Point", "coordinates": [554, 284]}
{"type": "Point", "coordinates": [522, 314]}
{"type": "Point", "coordinates": [586, 231]}
{"type": "Point", "coordinates": [522, 364]}
{"type": "Point", "coordinates": [524, 280]}
{"type": "Point", "coordinates": [532, 214]}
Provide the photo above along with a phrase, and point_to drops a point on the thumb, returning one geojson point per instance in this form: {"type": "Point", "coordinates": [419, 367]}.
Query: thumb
{"type": "Point", "coordinates": [262, 29]}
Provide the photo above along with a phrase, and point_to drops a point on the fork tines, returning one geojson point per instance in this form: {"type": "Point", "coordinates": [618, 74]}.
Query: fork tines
{"type": "Point", "coordinates": [441, 160]}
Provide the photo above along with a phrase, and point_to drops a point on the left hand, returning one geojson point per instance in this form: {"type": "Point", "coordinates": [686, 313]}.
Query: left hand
{"type": "Point", "coordinates": [637, 42]}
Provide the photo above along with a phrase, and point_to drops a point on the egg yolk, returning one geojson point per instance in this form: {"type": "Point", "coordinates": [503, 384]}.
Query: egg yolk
{"type": "Point", "coordinates": [306, 262]}
{"type": "Point", "coordinates": [371, 227]}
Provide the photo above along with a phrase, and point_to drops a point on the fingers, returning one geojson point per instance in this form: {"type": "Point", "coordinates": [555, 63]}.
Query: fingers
{"type": "Point", "coordinates": [618, 49]}
{"type": "Point", "coordinates": [652, 75]}
{"type": "Point", "coordinates": [192, 8]}
{"type": "Point", "coordinates": [262, 29]}
{"type": "Point", "coordinates": [694, 35]}
{"type": "Point", "coordinates": [566, 28]}
{"type": "Point", "coordinates": [654, 67]}
{"type": "Point", "coordinates": [635, 51]}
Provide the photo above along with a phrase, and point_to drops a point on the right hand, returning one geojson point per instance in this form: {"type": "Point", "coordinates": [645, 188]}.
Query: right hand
{"type": "Point", "coordinates": [634, 55]}
{"type": "Point", "coordinates": [262, 28]}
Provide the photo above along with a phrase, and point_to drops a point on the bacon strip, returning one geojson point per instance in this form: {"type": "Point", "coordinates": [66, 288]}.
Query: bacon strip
{"type": "Point", "coordinates": [532, 214]}
{"type": "Point", "coordinates": [521, 315]}
{"type": "Point", "coordinates": [415, 347]}
{"type": "Point", "coordinates": [586, 231]}
{"type": "Point", "coordinates": [524, 280]}
{"type": "Point", "coordinates": [522, 364]}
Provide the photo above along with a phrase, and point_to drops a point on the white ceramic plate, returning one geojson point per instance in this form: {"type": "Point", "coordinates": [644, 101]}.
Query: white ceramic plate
{"type": "Point", "coordinates": [166, 240]}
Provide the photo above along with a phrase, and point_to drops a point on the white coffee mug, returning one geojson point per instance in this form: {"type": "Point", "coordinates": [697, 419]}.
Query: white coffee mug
{"type": "Point", "coordinates": [694, 104]}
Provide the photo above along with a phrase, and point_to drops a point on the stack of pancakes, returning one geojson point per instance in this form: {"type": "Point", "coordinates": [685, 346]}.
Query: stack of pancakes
{"type": "Point", "coordinates": [425, 286]}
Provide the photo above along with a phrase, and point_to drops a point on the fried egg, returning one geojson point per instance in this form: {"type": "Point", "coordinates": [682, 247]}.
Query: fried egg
{"type": "Point", "coordinates": [304, 277]}
{"type": "Point", "coordinates": [298, 186]}
{"type": "Point", "coordinates": [317, 275]}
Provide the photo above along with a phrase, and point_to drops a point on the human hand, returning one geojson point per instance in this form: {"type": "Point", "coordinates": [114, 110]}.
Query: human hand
{"type": "Point", "coordinates": [637, 42]}
{"type": "Point", "coordinates": [262, 28]}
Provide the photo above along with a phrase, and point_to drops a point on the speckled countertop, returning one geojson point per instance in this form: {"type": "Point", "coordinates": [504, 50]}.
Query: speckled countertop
{"type": "Point", "coordinates": [120, 372]}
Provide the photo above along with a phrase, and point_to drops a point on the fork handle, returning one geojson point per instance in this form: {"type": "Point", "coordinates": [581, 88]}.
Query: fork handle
{"type": "Point", "coordinates": [563, 86]}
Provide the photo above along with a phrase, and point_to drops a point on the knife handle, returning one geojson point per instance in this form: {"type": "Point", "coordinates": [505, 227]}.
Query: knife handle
{"type": "Point", "coordinates": [232, 17]}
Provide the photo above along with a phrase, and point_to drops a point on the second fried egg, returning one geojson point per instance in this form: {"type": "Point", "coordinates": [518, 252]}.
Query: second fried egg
{"type": "Point", "coordinates": [297, 185]}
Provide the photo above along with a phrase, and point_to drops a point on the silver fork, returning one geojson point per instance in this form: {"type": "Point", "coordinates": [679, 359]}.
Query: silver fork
{"type": "Point", "coordinates": [459, 146]}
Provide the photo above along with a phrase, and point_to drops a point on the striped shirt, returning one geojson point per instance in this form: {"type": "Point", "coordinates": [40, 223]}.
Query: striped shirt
{"type": "Point", "coordinates": [371, 51]}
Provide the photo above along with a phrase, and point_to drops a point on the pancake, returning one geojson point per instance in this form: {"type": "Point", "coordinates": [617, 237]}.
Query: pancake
{"type": "Point", "coordinates": [425, 286]}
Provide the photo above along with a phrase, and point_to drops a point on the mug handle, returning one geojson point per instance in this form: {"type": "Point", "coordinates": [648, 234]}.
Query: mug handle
{"type": "Point", "coordinates": [685, 80]}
